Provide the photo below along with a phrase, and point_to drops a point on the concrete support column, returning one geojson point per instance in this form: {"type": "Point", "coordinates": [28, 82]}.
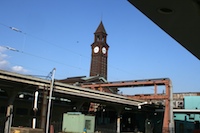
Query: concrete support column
{"type": "Point", "coordinates": [35, 109]}
{"type": "Point", "coordinates": [119, 119]}
{"type": "Point", "coordinates": [44, 109]}
{"type": "Point", "coordinates": [118, 123]}
{"type": "Point", "coordinates": [9, 113]}
{"type": "Point", "coordinates": [8, 122]}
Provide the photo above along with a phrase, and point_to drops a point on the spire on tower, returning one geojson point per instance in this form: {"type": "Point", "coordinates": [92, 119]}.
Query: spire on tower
{"type": "Point", "coordinates": [100, 28]}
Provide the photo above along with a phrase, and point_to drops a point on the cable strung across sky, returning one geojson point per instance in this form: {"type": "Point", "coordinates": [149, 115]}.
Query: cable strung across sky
{"type": "Point", "coordinates": [53, 44]}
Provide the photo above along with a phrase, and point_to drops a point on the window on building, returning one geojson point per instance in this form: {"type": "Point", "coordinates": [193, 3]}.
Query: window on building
{"type": "Point", "coordinates": [98, 37]}
{"type": "Point", "coordinates": [102, 38]}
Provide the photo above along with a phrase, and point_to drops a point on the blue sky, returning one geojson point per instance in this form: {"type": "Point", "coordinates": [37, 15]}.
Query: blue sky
{"type": "Point", "coordinates": [58, 34]}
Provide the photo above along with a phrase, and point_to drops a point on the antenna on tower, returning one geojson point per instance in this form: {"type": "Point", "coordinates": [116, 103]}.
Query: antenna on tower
{"type": "Point", "coordinates": [101, 16]}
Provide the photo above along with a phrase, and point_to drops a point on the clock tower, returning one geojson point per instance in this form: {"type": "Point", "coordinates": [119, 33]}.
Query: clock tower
{"type": "Point", "coordinates": [99, 53]}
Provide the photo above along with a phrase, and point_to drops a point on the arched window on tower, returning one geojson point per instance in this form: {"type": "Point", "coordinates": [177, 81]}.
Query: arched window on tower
{"type": "Point", "coordinates": [102, 38]}
{"type": "Point", "coordinates": [98, 37]}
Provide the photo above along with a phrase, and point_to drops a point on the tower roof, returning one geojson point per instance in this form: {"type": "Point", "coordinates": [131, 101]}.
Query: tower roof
{"type": "Point", "coordinates": [101, 28]}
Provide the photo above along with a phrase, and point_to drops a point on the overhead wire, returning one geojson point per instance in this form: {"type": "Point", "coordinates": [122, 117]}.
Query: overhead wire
{"type": "Point", "coordinates": [54, 61]}
{"type": "Point", "coordinates": [53, 44]}
{"type": "Point", "coordinates": [33, 55]}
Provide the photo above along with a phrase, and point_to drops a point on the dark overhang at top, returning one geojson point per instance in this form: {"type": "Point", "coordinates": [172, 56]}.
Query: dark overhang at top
{"type": "Point", "coordinates": [179, 18]}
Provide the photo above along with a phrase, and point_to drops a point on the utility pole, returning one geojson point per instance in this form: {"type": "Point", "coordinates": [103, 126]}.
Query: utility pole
{"type": "Point", "coordinates": [35, 109]}
{"type": "Point", "coordinates": [50, 96]}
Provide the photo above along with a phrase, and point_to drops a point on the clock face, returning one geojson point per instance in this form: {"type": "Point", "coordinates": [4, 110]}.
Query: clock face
{"type": "Point", "coordinates": [96, 49]}
{"type": "Point", "coordinates": [103, 50]}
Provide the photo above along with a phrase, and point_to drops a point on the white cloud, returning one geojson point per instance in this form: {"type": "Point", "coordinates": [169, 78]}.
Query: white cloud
{"type": "Point", "coordinates": [5, 65]}
{"type": "Point", "coordinates": [2, 49]}
{"type": "Point", "coordinates": [2, 55]}
{"type": "Point", "coordinates": [3, 62]}
{"type": "Point", "coordinates": [19, 69]}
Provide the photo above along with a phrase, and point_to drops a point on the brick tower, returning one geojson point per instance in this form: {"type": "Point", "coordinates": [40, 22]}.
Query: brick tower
{"type": "Point", "coordinates": [99, 53]}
